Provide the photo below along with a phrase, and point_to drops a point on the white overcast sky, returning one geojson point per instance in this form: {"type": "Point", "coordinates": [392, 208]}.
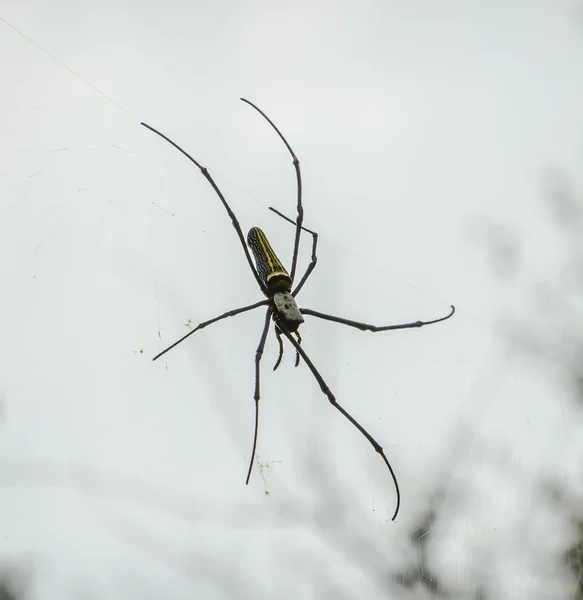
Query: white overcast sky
{"type": "Point", "coordinates": [426, 132]}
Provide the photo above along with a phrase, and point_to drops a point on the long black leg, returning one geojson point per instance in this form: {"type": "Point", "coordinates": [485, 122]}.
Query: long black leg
{"type": "Point", "coordinates": [331, 398]}
{"type": "Point", "coordinates": [314, 260]}
{"type": "Point", "coordinates": [300, 208]}
{"type": "Point", "coordinates": [229, 313]}
{"type": "Point", "coordinates": [231, 214]}
{"type": "Point", "coordinates": [258, 355]}
{"type": "Point", "coordinates": [373, 328]}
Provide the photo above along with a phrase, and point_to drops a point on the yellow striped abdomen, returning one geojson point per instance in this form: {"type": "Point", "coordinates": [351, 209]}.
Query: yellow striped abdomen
{"type": "Point", "coordinates": [270, 269]}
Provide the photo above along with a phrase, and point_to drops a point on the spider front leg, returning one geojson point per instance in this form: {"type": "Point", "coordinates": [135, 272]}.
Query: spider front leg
{"type": "Point", "coordinates": [314, 260]}
{"type": "Point", "coordinates": [332, 399]}
{"type": "Point", "coordinates": [296, 162]}
{"type": "Point", "coordinates": [233, 217]}
{"type": "Point", "coordinates": [258, 355]}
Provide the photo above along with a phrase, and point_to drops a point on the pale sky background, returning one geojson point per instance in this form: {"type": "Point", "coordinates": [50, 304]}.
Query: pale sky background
{"type": "Point", "coordinates": [428, 134]}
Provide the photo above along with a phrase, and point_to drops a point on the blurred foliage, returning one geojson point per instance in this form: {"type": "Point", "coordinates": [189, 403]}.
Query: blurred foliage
{"type": "Point", "coordinates": [574, 558]}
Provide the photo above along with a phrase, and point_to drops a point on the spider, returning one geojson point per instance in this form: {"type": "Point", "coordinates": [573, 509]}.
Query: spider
{"type": "Point", "coordinates": [277, 285]}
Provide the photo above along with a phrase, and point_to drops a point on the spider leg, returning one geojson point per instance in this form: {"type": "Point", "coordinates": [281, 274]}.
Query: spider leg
{"type": "Point", "coordinates": [314, 260]}
{"type": "Point", "coordinates": [231, 214]}
{"type": "Point", "coordinates": [331, 398]}
{"type": "Point", "coordinates": [373, 328]}
{"type": "Point", "coordinates": [229, 313]}
{"type": "Point", "coordinates": [300, 219]}
{"type": "Point", "coordinates": [258, 355]}
{"type": "Point", "coordinates": [280, 342]}
{"type": "Point", "coordinates": [297, 353]}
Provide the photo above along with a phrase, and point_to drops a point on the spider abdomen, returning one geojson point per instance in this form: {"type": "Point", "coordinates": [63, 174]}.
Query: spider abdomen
{"type": "Point", "coordinates": [269, 267]}
{"type": "Point", "coordinates": [287, 310]}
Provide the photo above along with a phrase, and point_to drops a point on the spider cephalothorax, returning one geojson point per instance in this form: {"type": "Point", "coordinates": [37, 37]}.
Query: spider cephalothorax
{"type": "Point", "coordinates": [277, 285]}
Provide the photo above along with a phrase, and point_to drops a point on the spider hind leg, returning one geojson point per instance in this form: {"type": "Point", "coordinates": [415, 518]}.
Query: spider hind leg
{"type": "Point", "coordinates": [332, 399]}
{"type": "Point", "coordinates": [256, 395]}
